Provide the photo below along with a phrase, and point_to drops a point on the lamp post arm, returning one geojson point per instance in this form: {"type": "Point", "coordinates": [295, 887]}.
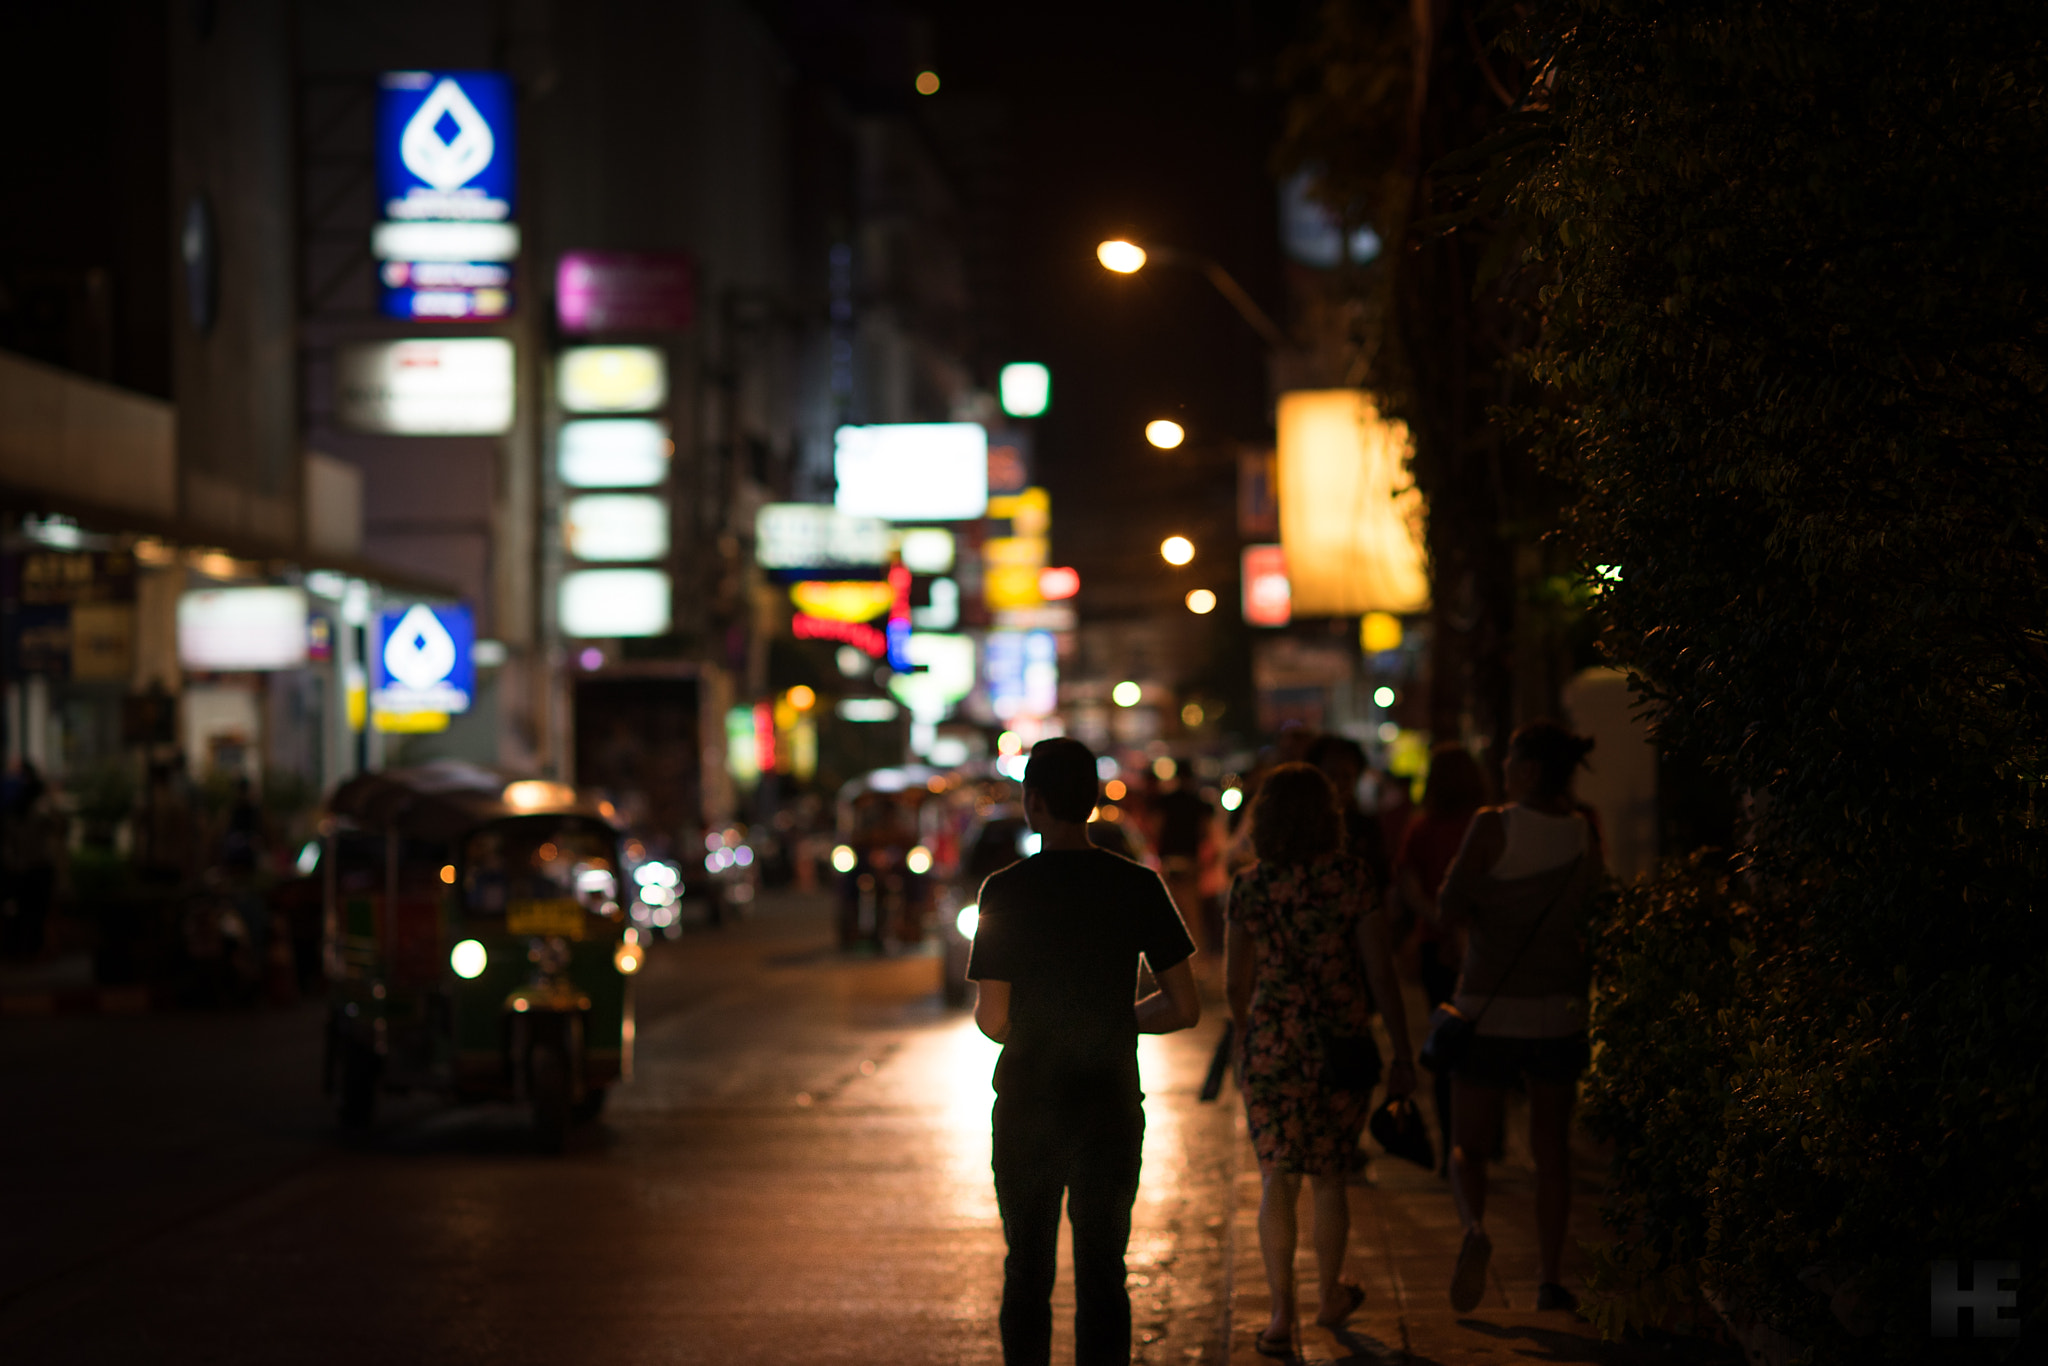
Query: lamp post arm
{"type": "Point", "coordinates": [1247, 307]}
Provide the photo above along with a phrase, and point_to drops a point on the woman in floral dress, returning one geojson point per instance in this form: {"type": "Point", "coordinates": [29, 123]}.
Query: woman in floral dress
{"type": "Point", "coordinates": [1305, 936]}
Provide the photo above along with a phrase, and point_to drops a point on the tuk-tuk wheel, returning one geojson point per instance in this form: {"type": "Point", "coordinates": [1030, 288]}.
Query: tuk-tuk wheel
{"type": "Point", "coordinates": [551, 1102]}
{"type": "Point", "coordinates": [361, 1069]}
{"type": "Point", "coordinates": [591, 1106]}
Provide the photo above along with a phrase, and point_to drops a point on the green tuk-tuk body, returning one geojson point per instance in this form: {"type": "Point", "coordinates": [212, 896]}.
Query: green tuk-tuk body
{"type": "Point", "coordinates": [475, 943]}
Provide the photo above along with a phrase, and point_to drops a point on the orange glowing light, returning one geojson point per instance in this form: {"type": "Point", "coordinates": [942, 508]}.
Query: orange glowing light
{"type": "Point", "coordinates": [448, 874]}
{"type": "Point", "coordinates": [1114, 789]}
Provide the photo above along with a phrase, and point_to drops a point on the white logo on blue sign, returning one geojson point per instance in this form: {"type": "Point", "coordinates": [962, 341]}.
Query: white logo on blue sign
{"type": "Point", "coordinates": [451, 161]}
{"type": "Point", "coordinates": [445, 146]}
{"type": "Point", "coordinates": [424, 660]}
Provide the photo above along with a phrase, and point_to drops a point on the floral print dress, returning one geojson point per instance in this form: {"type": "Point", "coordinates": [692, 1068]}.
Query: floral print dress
{"type": "Point", "coordinates": [1303, 922]}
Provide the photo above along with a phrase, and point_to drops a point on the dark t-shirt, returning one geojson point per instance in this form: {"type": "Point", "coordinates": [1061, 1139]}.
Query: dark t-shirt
{"type": "Point", "coordinates": [1065, 929]}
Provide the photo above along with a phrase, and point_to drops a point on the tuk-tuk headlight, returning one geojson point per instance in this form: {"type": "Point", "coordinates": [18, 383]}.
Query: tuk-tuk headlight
{"type": "Point", "coordinates": [627, 958]}
{"type": "Point", "coordinates": [968, 921]}
{"type": "Point", "coordinates": [468, 959]}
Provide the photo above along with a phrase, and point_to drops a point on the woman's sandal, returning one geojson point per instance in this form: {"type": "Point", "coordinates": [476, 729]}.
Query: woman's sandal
{"type": "Point", "coordinates": [1281, 1347]}
{"type": "Point", "coordinates": [1355, 1297]}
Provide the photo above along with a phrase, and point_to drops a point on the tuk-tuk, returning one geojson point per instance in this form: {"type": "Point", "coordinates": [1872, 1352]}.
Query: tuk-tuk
{"type": "Point", "coordinates": [475, 944]}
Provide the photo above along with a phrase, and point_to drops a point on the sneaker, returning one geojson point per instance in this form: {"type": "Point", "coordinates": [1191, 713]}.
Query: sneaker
{"type": "Point", "coordinates": [1550, 1295]}
{"type": "Point", "coordinates": [1468, 1282]}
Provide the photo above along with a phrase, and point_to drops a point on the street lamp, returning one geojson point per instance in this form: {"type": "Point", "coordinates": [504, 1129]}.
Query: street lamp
{"type": "Point", "coordinates": [1164, 434]}
{"type": "Point", "coordinates": [1127, 258]}
{"type": "Point", "coordinates": [1177, 550]}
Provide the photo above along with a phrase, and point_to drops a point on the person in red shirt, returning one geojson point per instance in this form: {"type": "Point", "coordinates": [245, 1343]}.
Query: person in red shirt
{"type": "Point", "coordinates": [1452, 792]}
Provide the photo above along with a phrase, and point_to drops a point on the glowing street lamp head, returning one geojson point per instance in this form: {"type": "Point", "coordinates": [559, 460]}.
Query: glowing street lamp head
{"type": "Point", "coordinates": [1177, 550]}
{"type": "Point", "coordinates": [1165, 435]}
{"type": "Point", "coordinates": [1125, 258]}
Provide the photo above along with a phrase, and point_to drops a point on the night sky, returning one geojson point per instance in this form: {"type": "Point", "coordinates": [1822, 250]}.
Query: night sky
{"type": "Point", "coordinates": [1153, 121]}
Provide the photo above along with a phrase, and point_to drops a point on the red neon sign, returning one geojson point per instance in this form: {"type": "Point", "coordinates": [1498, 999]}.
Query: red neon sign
{"type": "Point", "coordinates": [764, 737]}
{"type": "Point", "coordinates": [858, 634]}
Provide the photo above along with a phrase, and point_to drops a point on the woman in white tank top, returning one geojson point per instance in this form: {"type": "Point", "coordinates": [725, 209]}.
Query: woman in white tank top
{"type": "Point", "coordinates": [1518, 886]}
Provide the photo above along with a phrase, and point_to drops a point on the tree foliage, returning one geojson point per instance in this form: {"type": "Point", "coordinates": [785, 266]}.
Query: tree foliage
{"type": "Point", "coordinates": [1795, 328]}
{"type": "Point", "coordinates": [1382, 95]}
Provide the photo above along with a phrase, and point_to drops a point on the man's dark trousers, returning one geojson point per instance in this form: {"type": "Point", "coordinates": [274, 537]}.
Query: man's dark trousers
{"type": "Point", "coordinates": [1090, 1153]}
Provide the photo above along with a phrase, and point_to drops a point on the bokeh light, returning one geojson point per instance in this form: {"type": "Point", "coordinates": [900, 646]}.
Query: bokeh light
{"type": "Point", "coordinates": [1164, 434]}
{"type": "Point", "coordinates": [1201, 602]}
{"type": "Point", "coordinates": [1178, 550]}
{"type": "Point", "coordinates": [1126, 694]}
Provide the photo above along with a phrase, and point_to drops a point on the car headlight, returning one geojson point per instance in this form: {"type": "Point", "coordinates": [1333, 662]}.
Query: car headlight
{"type": "Point", "coordinates": [469, 958]}
{"type": "Point", "coordinates": [968, 920]}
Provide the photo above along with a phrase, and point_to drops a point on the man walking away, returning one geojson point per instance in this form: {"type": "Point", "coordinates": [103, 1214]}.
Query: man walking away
{"type": "Point", "coordinates": [1056, 954]}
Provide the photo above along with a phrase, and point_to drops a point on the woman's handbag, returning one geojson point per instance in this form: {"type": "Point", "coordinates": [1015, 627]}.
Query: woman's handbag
{"type": "Point", "coordinates": [1398, 1127]}
{"type": "Point", "coordinates": [1451, 1030]}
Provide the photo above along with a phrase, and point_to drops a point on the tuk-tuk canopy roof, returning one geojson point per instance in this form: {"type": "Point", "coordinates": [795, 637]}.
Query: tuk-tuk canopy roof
{"type": "Point", "coordinates": [450, 797]}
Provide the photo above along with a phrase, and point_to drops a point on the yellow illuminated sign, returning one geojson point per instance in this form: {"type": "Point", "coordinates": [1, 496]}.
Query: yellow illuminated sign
{"type": "Point", "coordinates": [1349, 514]}
{"type": "Point", "coordinates": [852, 600]}
{"type": "Point", "coordinates": [1029, 513]}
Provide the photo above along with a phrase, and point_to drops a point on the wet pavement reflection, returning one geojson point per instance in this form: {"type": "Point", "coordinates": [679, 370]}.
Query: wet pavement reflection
{"type": "Point", "coordinates": [797, 1173]}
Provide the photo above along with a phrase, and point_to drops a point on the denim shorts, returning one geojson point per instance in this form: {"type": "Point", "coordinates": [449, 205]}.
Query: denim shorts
{"type": "Point", "coordinates": [1494, 1060]}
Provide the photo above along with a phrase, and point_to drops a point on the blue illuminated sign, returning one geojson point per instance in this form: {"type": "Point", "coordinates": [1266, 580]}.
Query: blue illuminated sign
{"type": "Point", "coordinates": [445, 179]}
{"type": "Point", "coordinates": [1021, 669]}
{"type": "Point", "coordinates": [423, 658]}
{"type": "Point", "coordinates": [444, 145]}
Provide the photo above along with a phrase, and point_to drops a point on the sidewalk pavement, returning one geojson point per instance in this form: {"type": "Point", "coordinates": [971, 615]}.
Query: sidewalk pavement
{"type": "Point", "coordinates": [1404, 1243]}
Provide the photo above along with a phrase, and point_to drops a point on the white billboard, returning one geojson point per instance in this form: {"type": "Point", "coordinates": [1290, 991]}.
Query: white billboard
{"type": "Point", "coordinates": [229, 630]}
{"type": "Point", "coordinates": [912, 471]}
{"type": "Point", "coordinates": [452, 386]}
{"type": "Point", "coordinates": [612, 453]}
{"type": "Point", "coordinates": [616, 526]}
{"type": "Point", "coordinates": [612, 379]}
{"type": "Point", "coordinates": [604, 604]}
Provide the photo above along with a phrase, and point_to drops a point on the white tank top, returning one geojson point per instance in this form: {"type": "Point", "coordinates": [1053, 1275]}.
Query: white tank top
{"type": "Point", "coordinates": [1537, 841]}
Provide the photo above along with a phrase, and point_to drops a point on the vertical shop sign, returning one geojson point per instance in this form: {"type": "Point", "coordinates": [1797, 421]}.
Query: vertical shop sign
{"type": "Point", "coordinates": [445, 175]}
